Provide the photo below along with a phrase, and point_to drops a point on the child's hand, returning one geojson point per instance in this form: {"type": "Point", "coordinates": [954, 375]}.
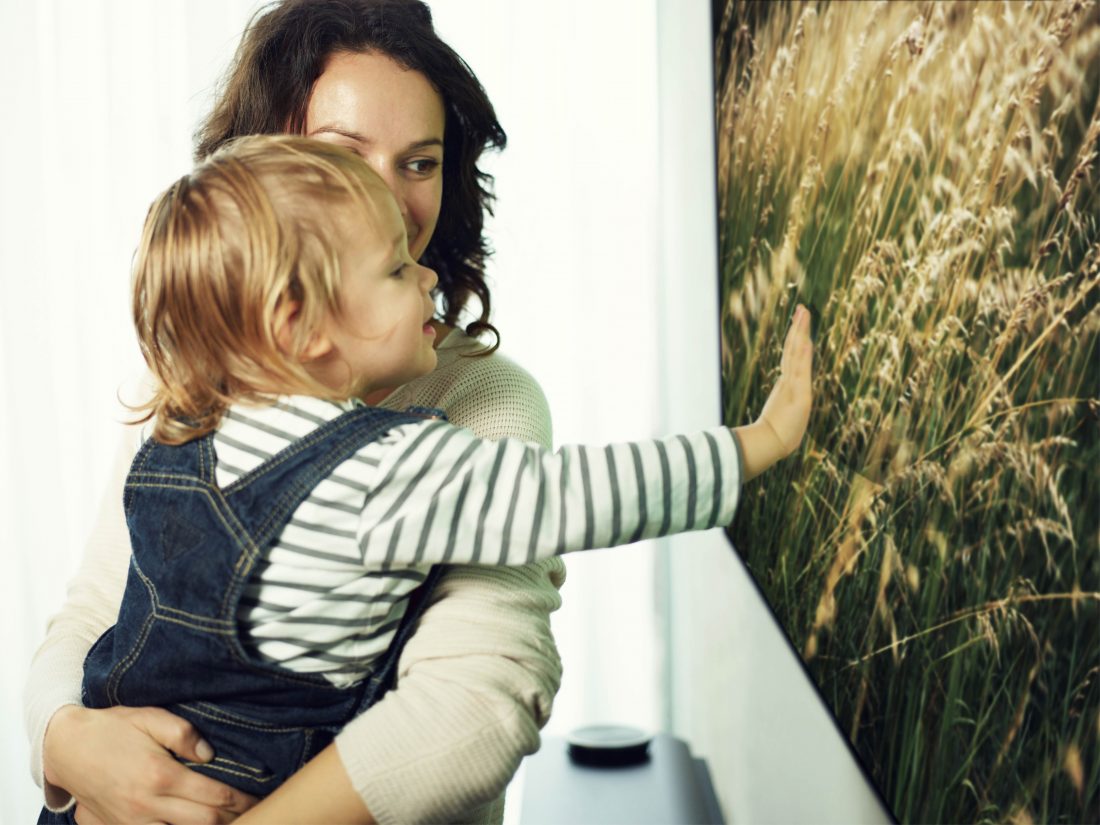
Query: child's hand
{"type": "Point", "coordinates": [787, 410]}
{"type": "Point", "coordinates": [782, 423]}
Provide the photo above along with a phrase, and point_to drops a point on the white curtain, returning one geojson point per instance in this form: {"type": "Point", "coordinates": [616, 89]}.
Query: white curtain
{"type": "Point", "coordinates": [99, 101]}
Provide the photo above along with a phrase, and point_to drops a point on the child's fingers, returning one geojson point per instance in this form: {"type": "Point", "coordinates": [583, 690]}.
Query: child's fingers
{"type": "Point", "coordinates": [797, 336]}
{"type": "Point", "coordinates": [801, 350]}
{"type": "Point", "coordinates": [789, 343]}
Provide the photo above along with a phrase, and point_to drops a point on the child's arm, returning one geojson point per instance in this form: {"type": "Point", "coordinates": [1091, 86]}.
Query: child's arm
{"type": "Point", "coordinates": [446, 496]}
{"type": "Point", "coordinates": [782, 423]}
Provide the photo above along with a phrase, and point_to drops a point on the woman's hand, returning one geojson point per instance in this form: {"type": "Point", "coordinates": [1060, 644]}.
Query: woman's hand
{"type": "Point", "coordinates": [118, 763]}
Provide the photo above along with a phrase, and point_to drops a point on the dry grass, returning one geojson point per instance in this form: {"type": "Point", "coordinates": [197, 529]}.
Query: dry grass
{"type": "Point", "coordinates": [924, 175]}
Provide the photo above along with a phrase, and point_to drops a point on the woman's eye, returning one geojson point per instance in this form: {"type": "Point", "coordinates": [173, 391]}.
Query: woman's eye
{"type": "Point", "coordinates": [422, 166]}
{"type": "Point", "coordinates": [398, 272]}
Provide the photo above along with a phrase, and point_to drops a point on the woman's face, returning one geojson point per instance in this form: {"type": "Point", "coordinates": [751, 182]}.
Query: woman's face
{"type": "Point", "coordinates": [394, 119]}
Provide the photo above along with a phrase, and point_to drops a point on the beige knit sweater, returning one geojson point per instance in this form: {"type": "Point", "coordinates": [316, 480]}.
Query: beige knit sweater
{"type": "Point", "coordinates": [475, 682]}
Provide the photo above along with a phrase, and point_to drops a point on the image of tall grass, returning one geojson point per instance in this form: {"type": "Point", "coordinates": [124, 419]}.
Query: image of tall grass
{"type": "Point", "coordinates": [924, 176]}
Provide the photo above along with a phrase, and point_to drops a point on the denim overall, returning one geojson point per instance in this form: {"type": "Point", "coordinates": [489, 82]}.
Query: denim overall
{"type": "Point", "coordinates": [176, 645]}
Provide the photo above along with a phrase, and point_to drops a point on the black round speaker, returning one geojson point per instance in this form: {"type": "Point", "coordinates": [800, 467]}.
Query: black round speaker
{"type": "Point", "coordinates": [609, 745]}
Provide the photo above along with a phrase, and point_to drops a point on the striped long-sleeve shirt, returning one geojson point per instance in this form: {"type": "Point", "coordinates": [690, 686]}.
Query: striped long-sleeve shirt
{"type": "Point", "coordinates": [331, 592]}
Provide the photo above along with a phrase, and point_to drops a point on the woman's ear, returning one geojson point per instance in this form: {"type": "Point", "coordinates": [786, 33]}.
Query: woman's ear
{"type": "Point", "coordinates": [284, 326]}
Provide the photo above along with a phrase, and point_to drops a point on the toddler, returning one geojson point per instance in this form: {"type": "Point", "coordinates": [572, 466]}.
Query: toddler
{"type": "Point", "coordinates": [281, 528]}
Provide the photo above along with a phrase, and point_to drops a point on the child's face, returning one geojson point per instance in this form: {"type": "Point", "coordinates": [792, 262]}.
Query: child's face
{"type": "Point", "coordinates": [383, 338]}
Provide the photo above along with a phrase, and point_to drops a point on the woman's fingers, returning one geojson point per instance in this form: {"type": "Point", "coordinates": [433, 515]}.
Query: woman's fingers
{"type": "Point", "coordinates": [196, 788]}
{"type": "Point", "coordinates": [85, 817]}
{"type": "Point", "coordinates": [176, 810]}
{"type": "Point", "coordinates": [142, 782]}
{"type": "Point", "coordinates": [173, 733]}
{"type": "Point", "coordinates": [178, 781]}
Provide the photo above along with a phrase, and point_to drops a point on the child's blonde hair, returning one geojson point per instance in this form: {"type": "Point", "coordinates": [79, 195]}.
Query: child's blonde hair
{"type": "Point", "coordinates": [222, 250]}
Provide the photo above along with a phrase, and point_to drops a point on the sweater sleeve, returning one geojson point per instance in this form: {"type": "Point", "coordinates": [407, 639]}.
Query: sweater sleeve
{"type": "Point", "coordinates": [91, 606]}
{"type": "Point", "coordinates": [477, 680]}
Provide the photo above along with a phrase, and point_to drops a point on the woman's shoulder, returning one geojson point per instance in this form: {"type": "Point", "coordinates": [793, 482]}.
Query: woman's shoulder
{"type": "Point", "coordinates": [461, 358]}
{"type": "Point", "coordinates": [490, 394]}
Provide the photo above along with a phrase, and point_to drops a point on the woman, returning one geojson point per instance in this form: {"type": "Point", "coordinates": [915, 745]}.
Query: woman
{"type": "Point", "coordinates": [478, 676]}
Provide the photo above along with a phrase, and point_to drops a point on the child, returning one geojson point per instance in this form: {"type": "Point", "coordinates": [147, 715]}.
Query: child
{"type": "Point", "coordinates": [279, 525]}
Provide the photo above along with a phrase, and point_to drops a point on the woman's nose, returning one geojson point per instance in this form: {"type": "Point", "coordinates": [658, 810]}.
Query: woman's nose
{"type": "Point", "coordinates": [398, 190]}
{"type": "Point", "coordinates": [392, 178]}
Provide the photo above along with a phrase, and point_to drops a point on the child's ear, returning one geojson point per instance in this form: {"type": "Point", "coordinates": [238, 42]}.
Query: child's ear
{"type": "Point", "coordinates": [284, 326]}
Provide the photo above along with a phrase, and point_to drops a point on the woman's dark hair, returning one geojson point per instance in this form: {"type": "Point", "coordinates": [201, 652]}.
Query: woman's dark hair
{"type": "Point", "coordinates": [267, 89]}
